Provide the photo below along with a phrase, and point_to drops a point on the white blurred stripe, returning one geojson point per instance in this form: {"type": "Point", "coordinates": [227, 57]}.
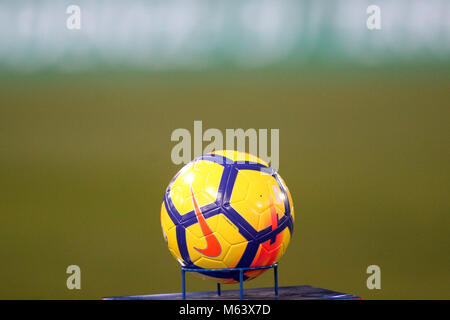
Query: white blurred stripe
{"type": "Point", "coordinates": [200, 33]}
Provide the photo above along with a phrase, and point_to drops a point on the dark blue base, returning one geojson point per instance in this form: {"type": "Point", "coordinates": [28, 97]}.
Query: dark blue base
{"type": "Point", "coordinates": [284, 293]}
{"type": "Point", "coordinates": [274, 293]}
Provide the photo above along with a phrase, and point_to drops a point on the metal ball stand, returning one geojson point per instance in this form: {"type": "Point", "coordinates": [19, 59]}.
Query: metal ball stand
{"type": "Point", "coordinates": [241, 278]}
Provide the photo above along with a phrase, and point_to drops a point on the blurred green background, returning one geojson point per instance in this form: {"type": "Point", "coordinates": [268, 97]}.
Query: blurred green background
{"type": "Point", "coordinates": [85, 159]}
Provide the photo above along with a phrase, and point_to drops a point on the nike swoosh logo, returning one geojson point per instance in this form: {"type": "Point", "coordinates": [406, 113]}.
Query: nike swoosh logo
{"type": "Point", "coordinates": [268, 256]}
{"type": "Point", "coordinates": [213, 248]}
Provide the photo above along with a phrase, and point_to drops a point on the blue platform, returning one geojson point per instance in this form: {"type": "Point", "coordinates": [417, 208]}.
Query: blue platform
{"type": "Point", "coordinates": [304, 292]}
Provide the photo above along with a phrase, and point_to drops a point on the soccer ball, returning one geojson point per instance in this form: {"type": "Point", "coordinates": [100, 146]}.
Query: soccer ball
{"type": "Point", "coordinates": [227, 209]}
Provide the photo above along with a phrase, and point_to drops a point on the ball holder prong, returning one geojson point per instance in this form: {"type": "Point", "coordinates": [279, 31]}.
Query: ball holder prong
{"type": "Point", "coordinates": [241, 278]}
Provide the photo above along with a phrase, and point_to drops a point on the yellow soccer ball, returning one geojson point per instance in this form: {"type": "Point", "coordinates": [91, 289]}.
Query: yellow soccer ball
{"type": "Point", "coordinates": [227, 209]}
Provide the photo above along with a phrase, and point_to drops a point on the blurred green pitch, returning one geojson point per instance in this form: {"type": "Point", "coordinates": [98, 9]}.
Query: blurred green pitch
{"type": "Point", "coordinates": [85, 160]}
